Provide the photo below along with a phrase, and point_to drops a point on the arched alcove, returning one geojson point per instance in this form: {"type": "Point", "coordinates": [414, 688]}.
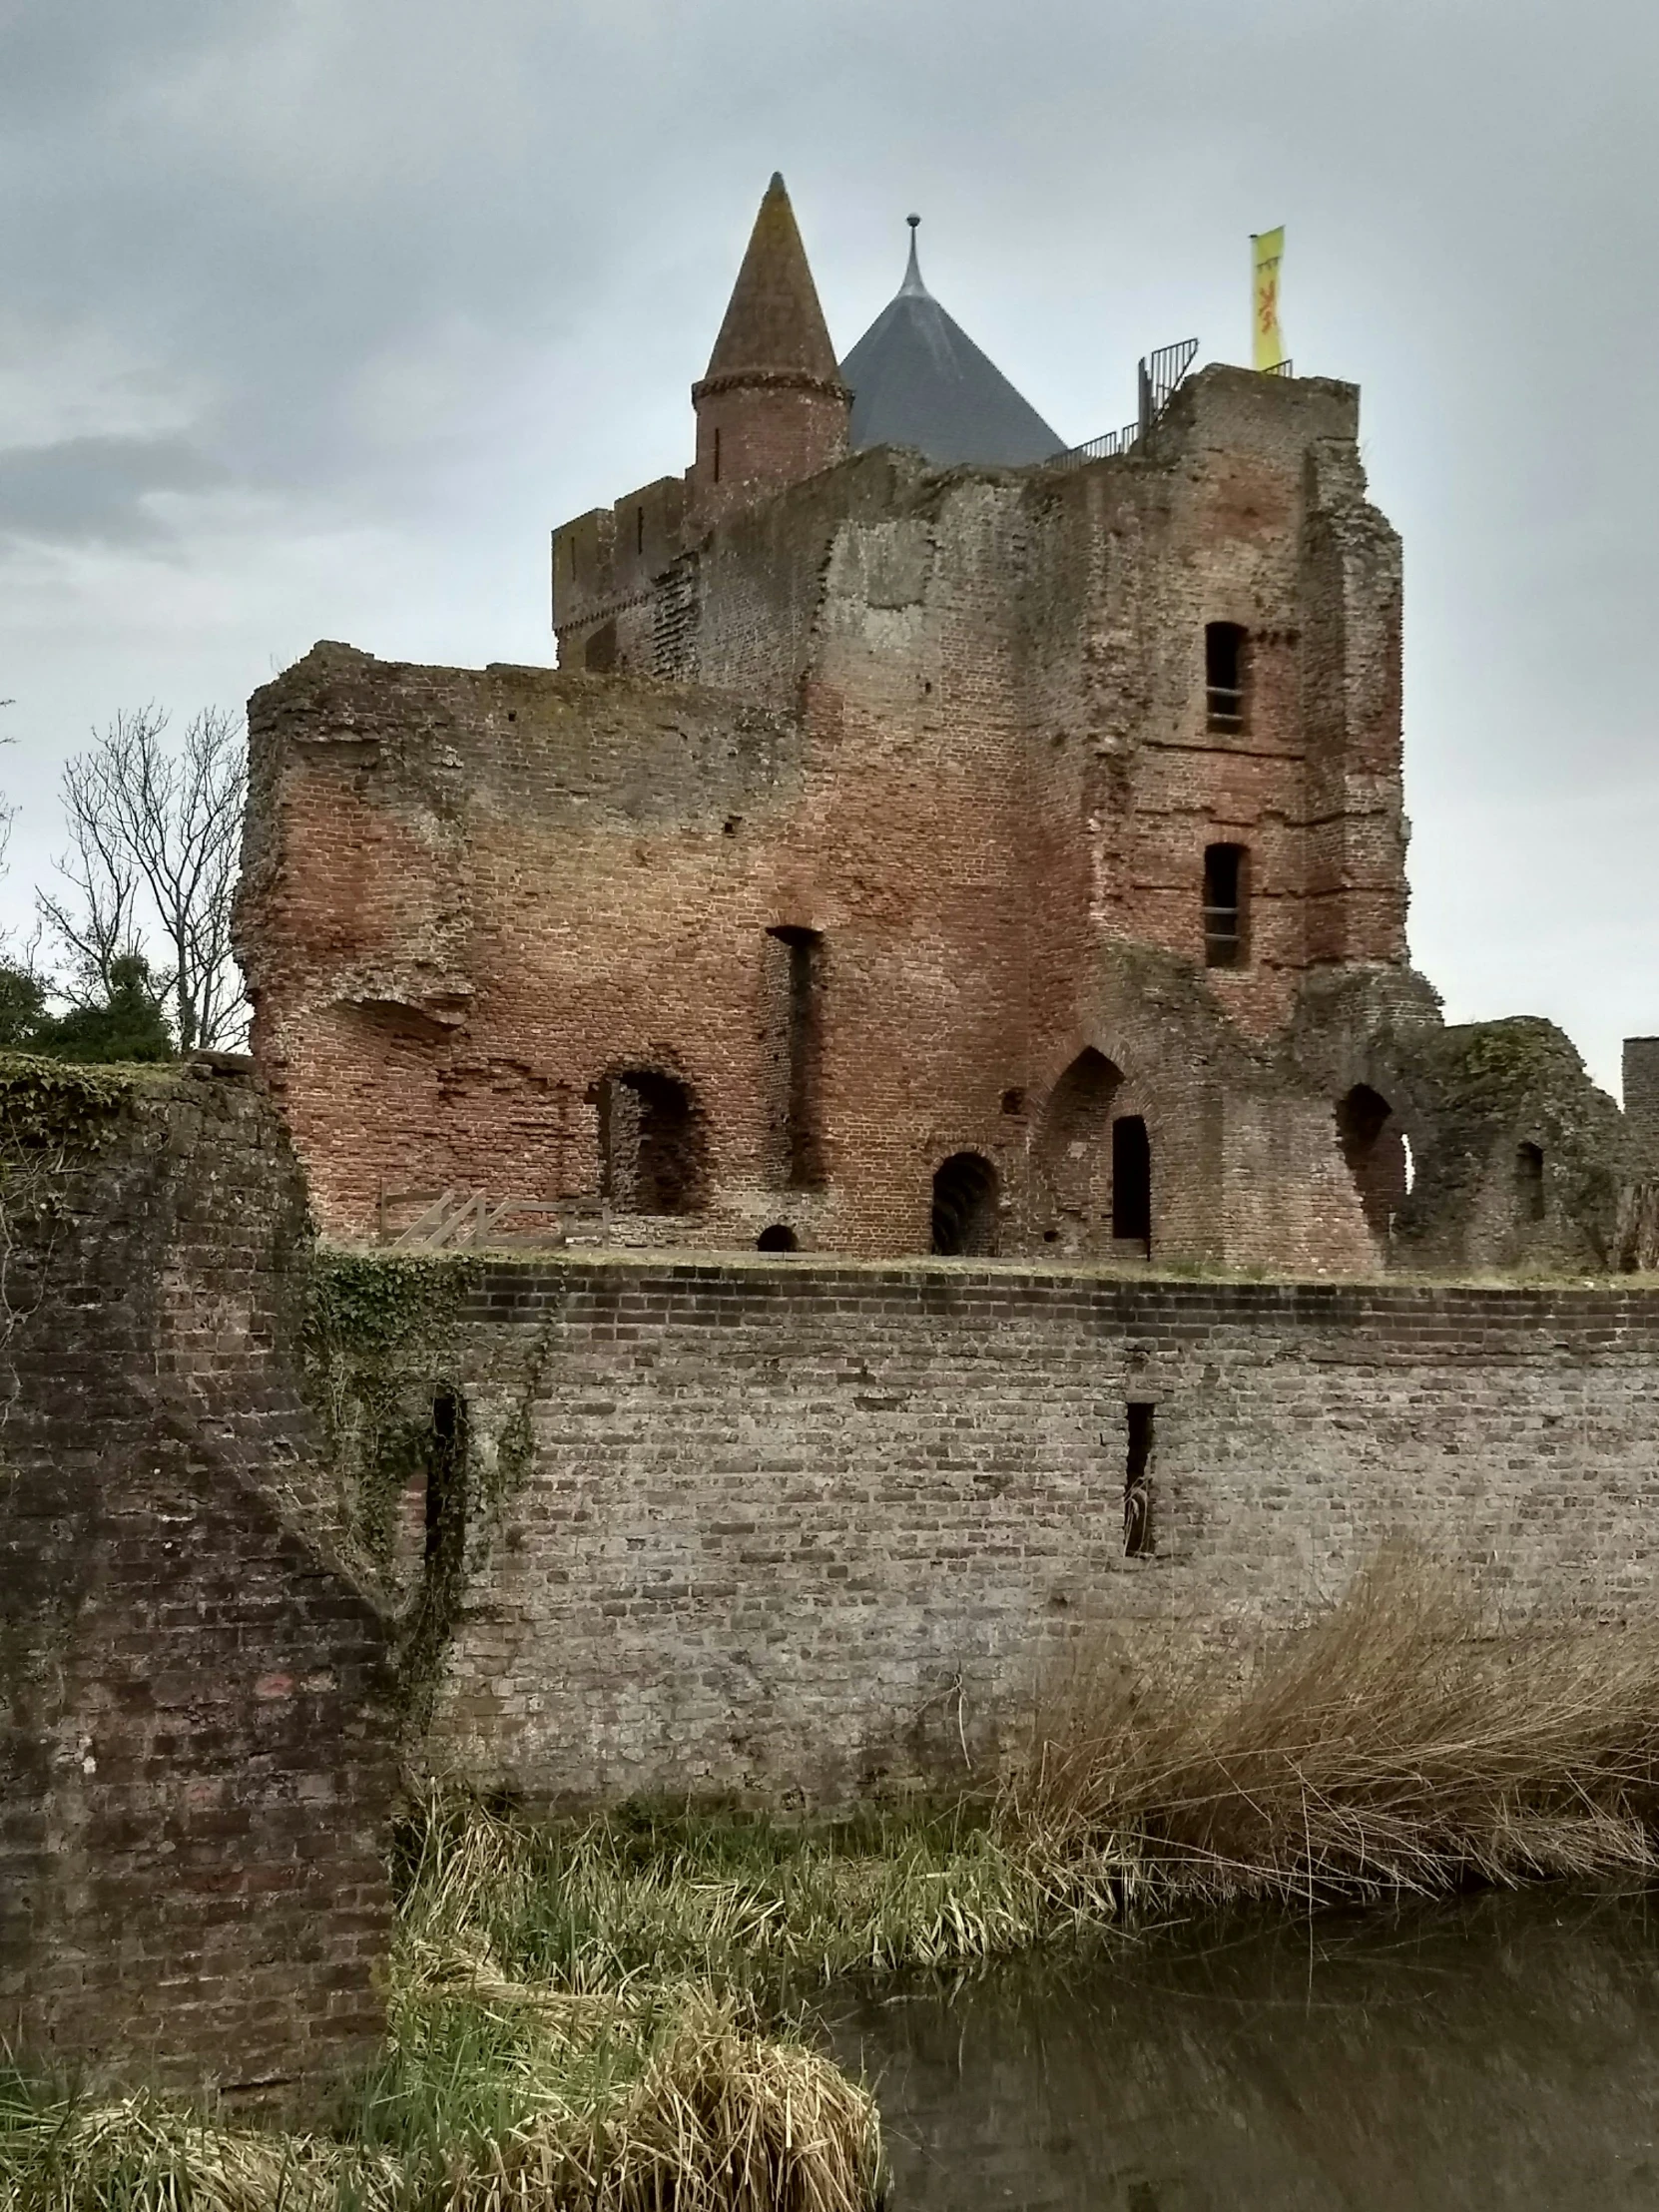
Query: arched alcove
{"type": "Point", "coordinates": [1374, 1145]}
{"type": "Point", "coordinates": [650, 1143]}
{"type": "Point", "coordinates": [1072, 1153]}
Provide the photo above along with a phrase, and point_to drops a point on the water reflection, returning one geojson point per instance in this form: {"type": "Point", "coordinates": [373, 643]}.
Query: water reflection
{"type": "Point", "coordinates": [1503, 2052]}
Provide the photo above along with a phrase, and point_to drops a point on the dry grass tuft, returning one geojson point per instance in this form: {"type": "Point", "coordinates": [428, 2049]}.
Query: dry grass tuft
{"type": "Point", "coordinates": [500, 2090]}
{"type": "Point", "coordinates": [580, 2011]}
{"type": "Point", "coordinates": [1398, 1742]}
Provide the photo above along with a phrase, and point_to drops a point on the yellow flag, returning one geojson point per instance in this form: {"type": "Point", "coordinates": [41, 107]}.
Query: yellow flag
{"type": "Point", "coordinates": [1267, 252]}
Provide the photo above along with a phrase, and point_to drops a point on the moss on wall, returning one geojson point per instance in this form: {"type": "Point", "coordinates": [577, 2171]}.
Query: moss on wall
{"type": "Point", "coordinates": [421, 1479]}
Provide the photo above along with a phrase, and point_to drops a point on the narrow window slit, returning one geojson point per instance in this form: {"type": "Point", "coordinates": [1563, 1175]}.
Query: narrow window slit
{"type": "Point", "coordinates": [1530, 1181]}
{"type": "Point", "coordinates": [1131, 1182]}
{"type": "Point", "coordinates": [1225, 907]}
{"type": "Point", "coordinates": [1137, 1483]}
{"type": "Point", "coordinates": [1225, 668]}
{"type": "Point", "coordinates": [804, 1051]}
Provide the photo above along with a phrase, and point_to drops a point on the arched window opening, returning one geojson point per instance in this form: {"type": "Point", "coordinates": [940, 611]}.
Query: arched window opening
{"type": "Point", "coordinates": [1226, 906]}
{"type": "Point", "coordinates": [780, 1237]}
{"type": "Point", "coordinates": [1226, 666]}
{"type": "Point", "coordinates": [1373, 1146]}
{"type": "Point", "coordinates": [649, 1144]}
{"type": "Point", "coordinates": [1530, 1181]}
{"type": "Point", "coordinates": [1132, 1182]}
{"type": "Point", "coordinates": [964, 1206]}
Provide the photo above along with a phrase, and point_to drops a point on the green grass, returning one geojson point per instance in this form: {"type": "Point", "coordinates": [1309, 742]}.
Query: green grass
{"type": "Point", "coordinates": [753, 1906]}
{"type": "Point", "coordinates": [611, 2014]}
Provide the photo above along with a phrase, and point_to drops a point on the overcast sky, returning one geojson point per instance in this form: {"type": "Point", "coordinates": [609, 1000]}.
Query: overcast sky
{"type": "Point", "coordinates": [316, 314]}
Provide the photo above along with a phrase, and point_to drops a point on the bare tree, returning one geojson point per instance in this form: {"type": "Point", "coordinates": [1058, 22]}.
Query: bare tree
{"type": "Point", "coordinates": [154, 835]}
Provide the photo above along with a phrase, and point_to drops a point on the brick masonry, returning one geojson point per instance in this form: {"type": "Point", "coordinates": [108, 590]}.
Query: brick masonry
{"type": "Point", "coordinates": [196, 1758]}
{"type": "Point", "coordinates": [963, 728]}
{"type": "Point", "coordinates": [807, 1528]}
{"type": "Point", "coordinates": [954, 724]}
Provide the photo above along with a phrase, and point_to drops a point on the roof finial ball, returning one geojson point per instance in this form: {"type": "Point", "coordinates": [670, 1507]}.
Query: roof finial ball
{"type": "Point", "coordinates": [913, 285]}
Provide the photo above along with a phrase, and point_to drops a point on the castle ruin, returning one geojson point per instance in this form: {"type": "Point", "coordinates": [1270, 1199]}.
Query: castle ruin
{"type": "Point", "coordinates": [956, 845]}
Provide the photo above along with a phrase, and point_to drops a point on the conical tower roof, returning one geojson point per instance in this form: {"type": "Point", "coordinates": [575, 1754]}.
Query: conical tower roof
{"type": "Point", "coordinates": [919, 380]}
{"type": "Point", "coordinates": [773, 321]}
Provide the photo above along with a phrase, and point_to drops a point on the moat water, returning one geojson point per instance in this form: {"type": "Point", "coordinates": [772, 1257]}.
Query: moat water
{"type": "Point", "coordinates": [1503, 2051]}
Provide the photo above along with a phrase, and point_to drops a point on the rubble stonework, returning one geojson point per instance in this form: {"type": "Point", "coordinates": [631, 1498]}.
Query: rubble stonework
{"type": "Point", "coordinates": [980, 858]}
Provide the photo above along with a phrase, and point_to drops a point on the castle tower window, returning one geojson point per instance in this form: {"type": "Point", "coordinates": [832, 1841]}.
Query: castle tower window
{"type": "Point", "coordinates": [1226, 664]}
{"type": "Point", "coordinates": [649, 1144]}
{"type": "Point", "coordinates": [1530, 1181]}
{"type": "Point", "coordinates": [1373, 1146]}
{"type": "Point", "coordinates": [797, 1030]}
{"type": "Point", "coordinates": [1137, 1483]}
{"type": "Point", "coordinates": [1132, 1182]}
{"type": "Point", "coordinates": [965, 1205]}
{"type": "Point", "coordinates": [778, 1238]}
{"type": "Point", "coordinates": [1226, 906]}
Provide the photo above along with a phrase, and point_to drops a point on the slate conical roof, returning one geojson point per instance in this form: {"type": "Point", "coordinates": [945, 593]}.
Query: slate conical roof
{"type": "Point", "coordinates": [918, 379]}
{"type": "Point", "coordinates": [773, 321]}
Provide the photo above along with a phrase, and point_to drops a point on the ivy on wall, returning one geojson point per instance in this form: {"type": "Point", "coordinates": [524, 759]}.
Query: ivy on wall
{"type": "Point", "coordinates": [385, 1367]}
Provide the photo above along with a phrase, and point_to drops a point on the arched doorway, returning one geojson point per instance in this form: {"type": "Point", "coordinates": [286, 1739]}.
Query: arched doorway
{"type": "Point", "coordinates": [1374, 1145]}
{"type": "Point", "coordinates": [650, 1143]}
{"type": "Point", "coordinates": [1073, 1156]}
{"type": "Point", "coordinates": [965, 1205]}
{"type": "Point", "coordinates": [778, 1238]}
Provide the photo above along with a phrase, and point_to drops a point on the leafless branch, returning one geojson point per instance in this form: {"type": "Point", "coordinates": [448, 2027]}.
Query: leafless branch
{"type": "Point", "coordinates": [151, 861]}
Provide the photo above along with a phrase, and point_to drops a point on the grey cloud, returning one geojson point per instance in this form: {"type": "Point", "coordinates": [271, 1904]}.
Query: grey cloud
{"type": "Point", "coordinates": [93, 489]}
{"type": "Point", "coordinates": [302, 215]}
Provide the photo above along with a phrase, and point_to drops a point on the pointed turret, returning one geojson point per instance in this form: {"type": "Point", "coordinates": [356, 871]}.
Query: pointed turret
{"type": "Point", "coordinates": [772, 408]}
{"type": "Point", "coordinates": [919, 380]}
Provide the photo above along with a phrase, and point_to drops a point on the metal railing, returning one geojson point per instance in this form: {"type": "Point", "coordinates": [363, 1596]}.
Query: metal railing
{"type": "Point", "coordinates": [1098, 449]}
{"type": "Point", "coordinates": [1158, 378]}
{"type": "Point", "coordinates": [1162, 373]}
{"type": "Point", "coordinates": [1224, 706]}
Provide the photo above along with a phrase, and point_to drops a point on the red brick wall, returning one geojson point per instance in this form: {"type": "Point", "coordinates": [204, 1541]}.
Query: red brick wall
{"type": "Point", "coordinates": [769, 432]}
{"type": "Point", "coordinates": [956, 724]}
